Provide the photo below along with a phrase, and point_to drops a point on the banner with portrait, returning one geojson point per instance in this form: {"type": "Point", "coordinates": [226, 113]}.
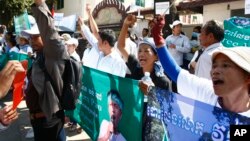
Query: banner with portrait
{"type": "Point", "coordinates": [189, 120]}
{"type": "Point", "coordinates": [92, 106]}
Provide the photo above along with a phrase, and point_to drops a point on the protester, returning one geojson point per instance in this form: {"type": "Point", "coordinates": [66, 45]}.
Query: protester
{"type": "Point", "coordinates": [7, 75]}
{"type": "Point", "coordinates": [102, 55]}
{"type": "Point", "coordinates": [109, 129]}
{"type": "Point", "coordinates": [24, 45]}
{"type": "Point", "coordinates": [210, 37]}
{"type": "Point", "coordinates": [195, 39]}
{"type": "Point", "coordinates": [72, 44]}
{"type": "Point", "coordinates": [178, 44]}
{"type": "Point", "coordinates": [46, 114]}
{"type": "Point", "coordinates": [147, 62]}
{"type": "Point", "coordinates": [229, 87]}
{"type": "Point", "coordinates": [11, 43]}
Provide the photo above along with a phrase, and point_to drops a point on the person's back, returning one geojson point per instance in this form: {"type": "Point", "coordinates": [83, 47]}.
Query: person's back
{"type": "Point", "coordinates": [210, 38]}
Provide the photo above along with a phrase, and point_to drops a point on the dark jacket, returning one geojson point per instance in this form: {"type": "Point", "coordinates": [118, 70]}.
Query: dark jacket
{"type": "Point", "coordinates": [55, 54]}
{"type": "Point", "coordinates": [161, 81]}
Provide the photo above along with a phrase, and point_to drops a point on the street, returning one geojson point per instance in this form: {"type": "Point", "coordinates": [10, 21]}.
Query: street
{"type": "Point", "coordinates": [18, 130]}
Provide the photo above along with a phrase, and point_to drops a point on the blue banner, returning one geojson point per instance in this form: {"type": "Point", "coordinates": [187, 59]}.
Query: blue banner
{"type": "Point", "coordinates": [189, 120]}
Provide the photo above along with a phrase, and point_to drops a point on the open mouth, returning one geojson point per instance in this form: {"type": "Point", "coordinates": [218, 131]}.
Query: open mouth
{"type": "Point", "coordinates": [142, 60]}
{"type": "Point", "coordinates": [217, 82]}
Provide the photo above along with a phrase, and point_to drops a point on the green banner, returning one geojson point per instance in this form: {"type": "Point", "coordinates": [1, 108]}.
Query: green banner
{"type": "Point", "coordinates": [14, 56]}
{"type": "Point", "coordinates": [92, 107]}
{"type": "Point", "coordinates": [237, 32]}
{"type": "Point", "coordinates": [21, 22]}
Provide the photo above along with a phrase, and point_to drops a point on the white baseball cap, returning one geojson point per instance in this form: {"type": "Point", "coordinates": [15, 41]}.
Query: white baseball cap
{"type": "Point", "coordinates": [239, 55]}
{"type": "Point", "coordinates": [177, 22]}
{"type": "Point", "coordinates": [72, 41]}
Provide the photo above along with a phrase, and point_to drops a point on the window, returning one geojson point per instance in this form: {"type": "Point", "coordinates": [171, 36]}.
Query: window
{"type": "Point", "coordinates": [60, 4]}
{"type": "Point", "coordinates": [239, 13]}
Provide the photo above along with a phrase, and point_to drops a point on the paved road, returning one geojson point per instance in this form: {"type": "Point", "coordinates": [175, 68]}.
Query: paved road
{"type": "Point", "coordinates": [17, 131]}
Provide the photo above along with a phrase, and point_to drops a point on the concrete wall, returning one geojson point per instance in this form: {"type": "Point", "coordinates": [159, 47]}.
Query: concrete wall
{"type": "Point", "coordinates": [220, 11]}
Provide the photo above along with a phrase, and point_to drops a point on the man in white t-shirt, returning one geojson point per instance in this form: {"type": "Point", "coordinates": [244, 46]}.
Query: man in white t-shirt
{"type": "Point", "coordinates": [102, 55]}
{"type": "Point", "coordinates": [210, 37]}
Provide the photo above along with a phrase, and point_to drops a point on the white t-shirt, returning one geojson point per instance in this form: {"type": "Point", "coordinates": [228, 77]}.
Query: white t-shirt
{"type": "Point", "coordinates": [103, 131]}
{"type": "Point", "coordinates": [111, 63]}
{"type": "Point", "coordinates": [204, 64]}
{"type": "Point", "coordinates": [200, 89]}
{"type": "Point", "coordinates": [25, 49]}
{"type": "Point", "coordinates": [14, 49]}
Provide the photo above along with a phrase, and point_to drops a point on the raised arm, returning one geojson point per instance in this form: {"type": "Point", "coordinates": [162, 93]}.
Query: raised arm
{"type": "Point", "coordinates": [53, 47]}
{"type": "Point", "coordinates": [85, 31]}
{"type": "Point", "coordinates": [93, 25]}
{"type": "Point", "coordinates": [129, 21]}
{"type": "Point", "coordinates": [167, 61]}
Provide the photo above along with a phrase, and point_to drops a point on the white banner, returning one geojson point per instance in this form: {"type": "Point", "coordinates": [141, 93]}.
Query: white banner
{"type": "Point", "coordinates": [161, 7]}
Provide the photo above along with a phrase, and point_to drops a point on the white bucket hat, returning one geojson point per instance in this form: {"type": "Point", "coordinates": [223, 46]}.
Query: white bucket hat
{"type": "Point", "coordinates": [239, 55]}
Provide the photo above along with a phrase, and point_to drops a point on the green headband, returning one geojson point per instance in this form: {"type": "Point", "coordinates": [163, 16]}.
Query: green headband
{"type": "Point", "coordinates": [116, 99]}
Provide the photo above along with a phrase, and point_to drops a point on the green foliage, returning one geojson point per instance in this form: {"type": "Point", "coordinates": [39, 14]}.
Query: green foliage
{"type": "Point", "coordinates": [11, 8]}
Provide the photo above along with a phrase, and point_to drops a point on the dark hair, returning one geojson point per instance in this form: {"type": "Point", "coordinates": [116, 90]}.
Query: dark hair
{"type": "Point", "coordinates": [12, 40]}
{"type": "Point", "coordinates": [198, 28]}
{"type": "Point", "coordinates": [109, 36]}
{"type": "Point", "coordinates": [145, 29]}
{"type": "Point", "coordinates": [215, 29]}
{"type": "Point", "coordinates": [1, 29]}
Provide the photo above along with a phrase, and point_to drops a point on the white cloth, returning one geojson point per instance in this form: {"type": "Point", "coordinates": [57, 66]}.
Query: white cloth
{"type": "Point", "coordinates": [131, 49]}
{"type": "Point", "coordinates": [182, 44]}
{"type": "Point", "coordinates": [194, 57]}
{"type": "Point", "coordinates": [91, 55]}
{"type": "Point", "coordinates": [204, 64]}
{"type": "Point", "coordinates": [14, 49]}
{"type": "Point", "coordinates": [76, 56]}
{"type": "Point", "coordinates": [111, 63]}
{"type": "Point", "coordinates": [25, 49]}
{"type": "Point", "coordinates": [103, 131]}
{"type": "Point", "coordinates": [200, 89]}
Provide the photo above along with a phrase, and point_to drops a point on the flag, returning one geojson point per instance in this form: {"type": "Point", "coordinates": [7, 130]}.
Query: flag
{"type": "Point", "coordinates": [18, 84]}
{"type": "Point", "coordinates": [21, 22]}
{"type": "Point", "coordinates": [53, 10]}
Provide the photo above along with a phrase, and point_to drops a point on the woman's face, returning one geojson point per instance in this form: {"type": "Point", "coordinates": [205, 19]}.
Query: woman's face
{"type": "Point", "coordinates": [228, 78]}
{"type": "Point", "coordinates": [146, 56]}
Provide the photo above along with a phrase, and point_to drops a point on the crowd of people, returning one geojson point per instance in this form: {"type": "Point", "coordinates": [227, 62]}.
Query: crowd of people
{"type": "Point", "coordinates": [221, 76]}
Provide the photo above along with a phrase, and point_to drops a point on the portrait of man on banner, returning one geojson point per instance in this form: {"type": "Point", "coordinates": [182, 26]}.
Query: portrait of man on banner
{"type": "Point", "coordinates": [109, 129]}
